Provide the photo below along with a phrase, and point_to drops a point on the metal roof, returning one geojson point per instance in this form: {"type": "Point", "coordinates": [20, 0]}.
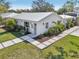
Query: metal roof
{"type": "Point", "coordinates": [6, 15]}
{"type": "Point", "coordinates": [66, 16]}
{"type": "Point", "coordinates": [32, 16]}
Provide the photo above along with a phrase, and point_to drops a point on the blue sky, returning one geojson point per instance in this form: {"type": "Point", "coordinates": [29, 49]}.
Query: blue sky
{"type": "Point", "coordinates": [24, 4]}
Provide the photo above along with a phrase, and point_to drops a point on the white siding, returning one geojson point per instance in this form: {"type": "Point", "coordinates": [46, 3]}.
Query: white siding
{"type": "Point", "coordinates": [50, 19]}
{"type": "Point", "coordinates": [41, 25]}
{"type": "Point", "coordinates": [20, 22]}
{"type": "Point", "coordinates": [31, 25]}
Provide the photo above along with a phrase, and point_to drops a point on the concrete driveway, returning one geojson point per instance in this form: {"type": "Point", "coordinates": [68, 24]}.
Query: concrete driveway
{"type": "Point", "coordinates": [75, 33]}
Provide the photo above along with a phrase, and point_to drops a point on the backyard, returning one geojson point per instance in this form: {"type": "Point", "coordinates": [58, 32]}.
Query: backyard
{"type": "Point", "coordinates": [25, 50]}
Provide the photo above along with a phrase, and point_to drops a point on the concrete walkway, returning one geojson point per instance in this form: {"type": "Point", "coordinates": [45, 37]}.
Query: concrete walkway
{"type": "Point", "coordinates": [50, 41]}
{"type": "Point", "coordinates": [10, 43]}
{"type": "Point", "coordinates": [75, 33]}
{"type": "Point", "coordinates": [36, 43]}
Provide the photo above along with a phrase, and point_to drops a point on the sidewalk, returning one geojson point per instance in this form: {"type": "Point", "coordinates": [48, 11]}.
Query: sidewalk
{"type": "Point", "coordinates": [10, 43]}
{"type": "Point", "coordinates": [36, 43]}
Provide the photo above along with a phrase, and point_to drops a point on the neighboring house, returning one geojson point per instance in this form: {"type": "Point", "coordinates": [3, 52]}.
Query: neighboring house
{"type": "Point", "coordinates": [76, 10]}
{"type": "Point", "coordinates": [66, 17]}
{"type": "Point", "coordinates": [37, 23]}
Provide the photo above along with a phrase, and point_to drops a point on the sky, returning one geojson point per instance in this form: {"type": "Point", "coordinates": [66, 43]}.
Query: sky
{"type": "Point", "coordinates": [26, 4]}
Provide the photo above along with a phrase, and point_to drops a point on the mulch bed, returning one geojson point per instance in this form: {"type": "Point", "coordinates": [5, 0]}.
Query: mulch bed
{"type": "Point", "coordinates": [42, 38]}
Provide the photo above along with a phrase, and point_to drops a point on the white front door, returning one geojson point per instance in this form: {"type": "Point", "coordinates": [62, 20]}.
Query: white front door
{"type": "Point", "coordinates": [35, 29]}
{"type": "Point", "coordinates": [26, 26]}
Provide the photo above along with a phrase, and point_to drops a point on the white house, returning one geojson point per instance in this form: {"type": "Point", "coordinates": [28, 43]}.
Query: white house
{"type": "Point", "coordinates": [66, 17]}
{"type": "Point", "coordinates": [76, 9]}
{"type": "Point", "coordinates": [37, 23]}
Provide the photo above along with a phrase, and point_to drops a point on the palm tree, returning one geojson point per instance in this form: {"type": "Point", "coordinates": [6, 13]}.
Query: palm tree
{"type": "Point", "coordinates": [58, 28]}
{"type": "Point", "coordinates": [59, 25]}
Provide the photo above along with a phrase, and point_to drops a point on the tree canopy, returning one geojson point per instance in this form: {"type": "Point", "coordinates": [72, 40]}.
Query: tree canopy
{"type": "Point", "coordinates": [70, 4]}
{"type": "Point", "coordinates": [42, 6]}
{"type": "Point", "coordinates": [4, 5]}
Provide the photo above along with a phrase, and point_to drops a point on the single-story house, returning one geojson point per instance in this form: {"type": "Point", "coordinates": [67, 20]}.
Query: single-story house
{"type": "Point", "coordinates": [66, 17]}
{"type": "Point", "coordinates": [37, 23]}
{"type": "Point", "coordinates": [71, 14]}
{"type": "Point", "coordinates": [76, 10]}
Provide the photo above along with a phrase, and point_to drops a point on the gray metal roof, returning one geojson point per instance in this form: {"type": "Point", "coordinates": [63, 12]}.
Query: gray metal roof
{"type": "Point", "coordinates": [32, 16]}
{"type": "Point", "coordinates": [6, 15]}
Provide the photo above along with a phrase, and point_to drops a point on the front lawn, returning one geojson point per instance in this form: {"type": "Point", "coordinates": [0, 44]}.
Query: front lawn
{"type": "Point", "coordinates": [5, 36]}
{"type": "Point", "coordinates": [2, 30]}
{"type": "Point", "coordinates": [24, 50]}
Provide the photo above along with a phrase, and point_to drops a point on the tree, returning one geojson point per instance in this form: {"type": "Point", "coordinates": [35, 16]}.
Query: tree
{"type": "Point", "coordinates": [41, 6]}
{"type": "Point", "coordinates": [10, 24]}
{"type": "Point", "coordinates": [70, 4]}
{"type": "Point", "coordinates": [4, 5]}
{"type": "Point", "coordinates": [61, 11]}
{"type": "Point", "coordinates": [59, 25]}
{"type": "Point", "coordinates": [3, 9]}
{"type": "Point", "coordinates": [1, 20]}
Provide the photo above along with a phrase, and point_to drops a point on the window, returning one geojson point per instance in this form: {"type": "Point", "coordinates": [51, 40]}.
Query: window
{"type": "Point", "coordinates": [47, 25]}
{"type": "Point", "coordinates": [26, 24]}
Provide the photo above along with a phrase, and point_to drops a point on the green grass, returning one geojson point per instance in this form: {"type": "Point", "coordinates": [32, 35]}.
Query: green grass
{"type": "Point", "coordinates": [25, 50]}
{"type": "Point", "coordinates": [2, 30]}
{"type": "Point", "coordinates": [5, 36]}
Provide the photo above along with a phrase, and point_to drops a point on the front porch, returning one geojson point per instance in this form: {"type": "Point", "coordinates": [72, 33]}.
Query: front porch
{"type": "Point", "coordinates": [30, 28]}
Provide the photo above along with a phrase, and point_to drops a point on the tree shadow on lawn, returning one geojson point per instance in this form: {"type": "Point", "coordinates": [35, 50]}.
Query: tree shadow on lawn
{"type": "Point", "coordinates": [61, 50]}
{"type": "Point", "coordinates": [73, 53]}
{"type": "Point", "coordinates": [74, 44]}
{"type": "Point", "coordinates": [16, 34]}
{"type": "Point", "coordinates": [51, 56]}
{"type": "Point", "coordinates": [62, 54]}
{"type": "Point", "coordinates": [3, 33]}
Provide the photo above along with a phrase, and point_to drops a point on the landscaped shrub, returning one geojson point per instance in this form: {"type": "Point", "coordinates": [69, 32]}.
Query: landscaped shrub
{"type": "Point", "coordinates": [69, 23]}
{"type": "Point", "coordinates": [10, 24]}
{"type": "Point", "coordinates": [19, 28]}
{"type": "Point", "coordinates": [49, 32]}
{"type": "Point", "coordinates": [55, 30]}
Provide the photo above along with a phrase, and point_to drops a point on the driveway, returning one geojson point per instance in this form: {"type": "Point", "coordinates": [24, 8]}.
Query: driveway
{"type": "Point", "coordinates": [75, 33]}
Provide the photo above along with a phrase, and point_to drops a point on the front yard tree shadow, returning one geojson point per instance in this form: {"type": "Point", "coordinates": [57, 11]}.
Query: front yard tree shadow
{"type": "Point", "coordinates": [17, 34]}
{"type": "Point", "coordinates": [51, 56]}
{"type": "Point", "coordinates": [74, 44]}
{"type": "Point", "coordinates": [61, 50]}
{"type": "Point", "coordinates": [74, 54]}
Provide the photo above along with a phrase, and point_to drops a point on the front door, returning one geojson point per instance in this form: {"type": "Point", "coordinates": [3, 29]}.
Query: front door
{"type": "Point", "coordinates": [35, 29]}
{"type": "Point", "coordinates": [26, 27]}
